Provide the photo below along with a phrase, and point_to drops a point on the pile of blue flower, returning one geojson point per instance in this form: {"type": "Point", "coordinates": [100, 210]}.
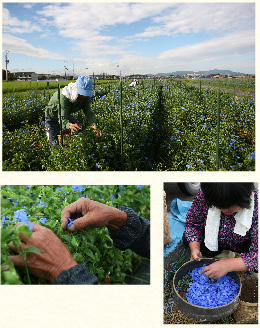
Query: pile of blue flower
{"type": "Point", "coordinates": [208, 292]}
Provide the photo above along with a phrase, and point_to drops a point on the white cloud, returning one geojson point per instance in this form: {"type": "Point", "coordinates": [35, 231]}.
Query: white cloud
{"type": "Point", "coordinates": [73, 17]}
{"type": "Point", "coordinates": [13, 25]}
{"type": "Point", "coordinates": [202, 17]}
{"type": "Point", "coordinates": [241, 43]}
{"type": "Point", "coordinates": [21, 46]}
{"type": "Point", "coordinates": [28, 5]}
{"type": "Point", "coordinates": [88, 22]}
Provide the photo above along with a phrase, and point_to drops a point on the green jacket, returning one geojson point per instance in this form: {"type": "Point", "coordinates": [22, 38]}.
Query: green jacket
{"type": "Point", "coordinates": [68, 108]}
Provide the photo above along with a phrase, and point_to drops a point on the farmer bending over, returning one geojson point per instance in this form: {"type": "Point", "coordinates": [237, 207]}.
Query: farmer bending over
{"type": "Point", "coordinates": [56, 264]}
{"type": "Point", "coordinates": [73, 98]}
{"type": "Point", "coordinates": [224, 216]}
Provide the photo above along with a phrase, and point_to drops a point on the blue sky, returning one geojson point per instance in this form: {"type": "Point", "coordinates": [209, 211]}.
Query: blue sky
{"type": "Point", "coordinates": [129, 37]}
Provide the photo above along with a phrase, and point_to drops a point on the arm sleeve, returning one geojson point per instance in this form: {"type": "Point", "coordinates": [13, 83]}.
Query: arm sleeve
{"type": "Point", "coordinates": [251, 257]}
{"type": "Point", "coordinates": [77, 275]}
{"type": "Point", "coordinates": [134, 234]}
{"type": "Point", "coordinates": [90, 117]}
{"type": "Point", "coordinates": [65, 111]}
{"type": "Point", "coordinates": [195, 219]}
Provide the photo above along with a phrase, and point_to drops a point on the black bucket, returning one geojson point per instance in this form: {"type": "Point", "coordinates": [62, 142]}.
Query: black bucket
{"type": "Point", "coordinates": [198, 312]}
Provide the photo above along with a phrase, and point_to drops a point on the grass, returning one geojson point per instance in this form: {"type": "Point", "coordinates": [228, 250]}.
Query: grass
{"type": "Point", "coordinates": [231, 85]}
{"type": "Point", "coordinates": [22, 87]}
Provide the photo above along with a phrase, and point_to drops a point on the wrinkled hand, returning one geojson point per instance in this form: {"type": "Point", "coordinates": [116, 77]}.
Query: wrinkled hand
{"type": "Point", "coordinates": [86, 212]}
{"type": "Point", "coordinates": [195, 255]}
{"type": "Point", "coordinates": [215, 270]}
{"type": "Point", "coordinates": [54, 257]}
{"type": "Point", "coordinates": [74, 127]}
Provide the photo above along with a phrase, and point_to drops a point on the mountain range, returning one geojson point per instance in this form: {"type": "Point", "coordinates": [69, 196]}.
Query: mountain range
{"type": "Point", "coordinates": [205, 73]}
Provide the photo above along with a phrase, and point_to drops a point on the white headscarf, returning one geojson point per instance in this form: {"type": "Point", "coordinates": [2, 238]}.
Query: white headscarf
{"type": "Point", "coordinates": [243, 223]}
{"type": "Point", "coordinates": [70, 92]}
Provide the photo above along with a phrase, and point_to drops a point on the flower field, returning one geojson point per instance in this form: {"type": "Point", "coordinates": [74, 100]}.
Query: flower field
{"type": "Point", "coordinates": [93, 248]}
{"type": "Point", "coordinates": [165, 125]}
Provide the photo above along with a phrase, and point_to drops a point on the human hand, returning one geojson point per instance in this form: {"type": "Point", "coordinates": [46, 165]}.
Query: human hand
{"type": "Point", "coordinates": [98, 133]}
{"type": "Point", "coordinates": [215, 270]}
{"type": "Point", "coordinates": [54, 257]}
{"type": "Point", "coordinates": [195, 255]}
{"type": "Point", "coordinates": [74, 127]}
{"type": "Point", "coordinates": [86, 212]}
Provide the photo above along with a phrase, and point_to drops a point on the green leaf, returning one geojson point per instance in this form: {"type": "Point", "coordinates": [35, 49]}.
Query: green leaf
{"type": "Point", "coordinates": [10, 278]}
{"type": "Point", "coordinates": [66, 238]}
{"type": "Point", "coordinates": [90, 254]}
{"type": "Point", "coordinates": [32, 249]}
{"type": "Point", "coordinates": [78, 257]}
{"type": "Point", "coordinates": [91, 238]}
{"type": "Point", "coordinates": [7, 235]}
{"type": "Point", "coordinates": [24, 229]}
{"type": "Point", "coordinates": [74, 241]}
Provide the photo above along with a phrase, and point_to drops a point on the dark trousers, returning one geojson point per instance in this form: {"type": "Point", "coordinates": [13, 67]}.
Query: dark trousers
{"type": "Point", "coordinates": [53, 128]}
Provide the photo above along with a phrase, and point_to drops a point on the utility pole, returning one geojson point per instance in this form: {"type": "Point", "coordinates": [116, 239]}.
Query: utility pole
{"type": "Point", "coordinates": [65, 66]}
{"type": "Point", "coordinates": [65, 71]}
{"type": "Point", "coordinates": [6, 62]}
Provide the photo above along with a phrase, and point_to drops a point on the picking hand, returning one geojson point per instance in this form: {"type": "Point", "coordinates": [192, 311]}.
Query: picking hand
{"type": "Point", "coordinates": [74, 127]}
{"type": "Point", "coordinates": [54, 257]}
{"type": "Point", "coordinates": [98, 133]}
{"type": "Point", "coordinates": [86, 212]}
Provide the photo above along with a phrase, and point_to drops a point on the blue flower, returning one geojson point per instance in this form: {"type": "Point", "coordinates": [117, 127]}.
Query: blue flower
{"type": "Point", "coordinates": [21, 216]}
{"type": "Point", "coordinates": [77, 187]}
{"type": "Point", "coordinates": [252, 155]}
{"type": "Point", "coordinates": [70, 222]}
{"type": "Point", "coordinates": [139, 186]}
{"type": "Point", "coordinates": [42, 219]}
{"type": "Point", "coordinates": [3, 219]}
{"type": "Point", "coordinates": [41, 203]}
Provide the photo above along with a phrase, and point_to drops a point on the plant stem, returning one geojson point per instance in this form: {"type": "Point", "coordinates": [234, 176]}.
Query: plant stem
{"type": "Point", "coordinates": [25, 264]}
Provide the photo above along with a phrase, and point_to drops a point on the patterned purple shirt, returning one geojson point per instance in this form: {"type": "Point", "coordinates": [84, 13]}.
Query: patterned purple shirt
{"type": "Point", "coordinates": [196, 222]}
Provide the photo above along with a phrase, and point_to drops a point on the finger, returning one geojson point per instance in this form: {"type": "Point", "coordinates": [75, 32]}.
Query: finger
{"type": "Point", "coordinates": [212, 275]}
{"type": "Point", "coordinates": [204, 270]}
{"type": "Point", "coordinates": [17, 260]}
{"type": "Point", "coordinates": [79, 224]}
{"type": "Point", "coordinates": [71, 227]}
{"type": "Point", "coordinates": [66, 214]}
{"type": "Point", "coordinates": [74, 210]}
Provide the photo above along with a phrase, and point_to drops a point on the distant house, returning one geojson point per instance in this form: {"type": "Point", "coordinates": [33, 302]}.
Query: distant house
{"type": "Point", "coordinates": [43, 76]}
{"type": "Point", "coordinates": [34, 77]}
{"type": "Point", "coordinates": [23, 76]}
